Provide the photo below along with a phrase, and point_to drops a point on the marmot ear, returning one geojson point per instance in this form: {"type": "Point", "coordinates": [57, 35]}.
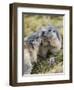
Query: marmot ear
{"type": "Point", "coordinates": [58, 35]}
{"type": "Point", "coordinates": [42, 33]}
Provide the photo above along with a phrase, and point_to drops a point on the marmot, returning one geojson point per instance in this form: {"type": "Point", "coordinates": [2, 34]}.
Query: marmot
{"type": "Point", "coordinates": [39, 43]}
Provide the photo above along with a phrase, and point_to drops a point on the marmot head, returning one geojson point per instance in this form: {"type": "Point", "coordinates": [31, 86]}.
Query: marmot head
{"type": "Point", "coordinates": [34, 40]}
{"type": "Point", "coordinates": [51, 32]}
{"type": "Point", "coordinates": [51, 37]}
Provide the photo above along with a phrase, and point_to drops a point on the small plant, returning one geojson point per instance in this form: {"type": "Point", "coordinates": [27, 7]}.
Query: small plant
{"type": "Point", "coordinates": [42, 66]}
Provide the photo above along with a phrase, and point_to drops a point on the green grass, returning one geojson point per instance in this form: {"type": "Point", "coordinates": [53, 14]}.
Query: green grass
{"type": "Point", "coordinates": [43, 67]}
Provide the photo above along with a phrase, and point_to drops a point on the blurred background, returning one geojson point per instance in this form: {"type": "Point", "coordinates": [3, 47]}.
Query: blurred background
{"type": "Point", "coordinates": [33, 22]}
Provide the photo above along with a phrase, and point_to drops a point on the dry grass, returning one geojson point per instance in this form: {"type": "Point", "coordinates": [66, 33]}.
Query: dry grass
{"type": "Point", "coordinates": [33, 22]}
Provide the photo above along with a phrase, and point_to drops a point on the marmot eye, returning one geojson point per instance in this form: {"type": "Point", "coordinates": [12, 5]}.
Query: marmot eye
{"type": "Point", "coordinates": [37, 37]}
{"type": "Point", "coordinates": [54, 31]}
{"type": "Point", "coordinates": [32, 40]}
{"type": "Point", "coordinates": [43, 33]}
{"type": "Point", "coordinates": [49, 30]}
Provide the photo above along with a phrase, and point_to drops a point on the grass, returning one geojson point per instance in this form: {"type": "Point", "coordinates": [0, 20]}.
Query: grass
{"type": "Point", "coordinates": [42, 66]}
{"type": "Point", "coordinates": [32, 23]}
